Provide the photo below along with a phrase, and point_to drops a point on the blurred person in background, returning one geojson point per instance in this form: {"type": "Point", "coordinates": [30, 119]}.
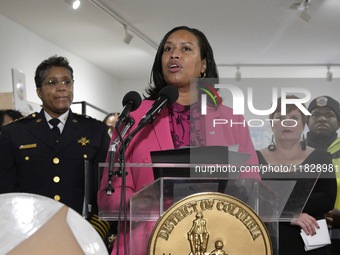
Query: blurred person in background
{"type": "Point", "coordinates": [7, 116]}
{"type": "Point", "coordinates": [323, 125]}
{"type": "Point", "coordinates": [288, 149]}
{"type": "Point", "coordinates": [111, 119]}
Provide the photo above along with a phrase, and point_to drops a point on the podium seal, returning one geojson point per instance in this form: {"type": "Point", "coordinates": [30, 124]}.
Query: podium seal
{"type": "Point", "coordinates": [210, 224]}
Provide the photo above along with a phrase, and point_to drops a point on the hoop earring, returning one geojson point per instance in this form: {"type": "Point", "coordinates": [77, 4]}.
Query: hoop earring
{"type": "Point", "coordinates": [202, 75]}
{"type": "Point", "coordinates": [303, 143]}
{"type": "Point", "coordinates": [272, 146]}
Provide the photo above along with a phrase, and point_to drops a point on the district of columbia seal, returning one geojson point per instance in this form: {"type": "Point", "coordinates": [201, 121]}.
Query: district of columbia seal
{"type": "Point", "coordinates": [210, 224]}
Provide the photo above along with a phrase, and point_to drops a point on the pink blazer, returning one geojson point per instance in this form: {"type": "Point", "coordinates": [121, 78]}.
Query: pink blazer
{"type": "Point", "coordinates": [157, 136]}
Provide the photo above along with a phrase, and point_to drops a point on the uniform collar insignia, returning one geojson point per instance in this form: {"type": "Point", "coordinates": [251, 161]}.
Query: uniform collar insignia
{"type": "Point", "coordinates": [83, 141]}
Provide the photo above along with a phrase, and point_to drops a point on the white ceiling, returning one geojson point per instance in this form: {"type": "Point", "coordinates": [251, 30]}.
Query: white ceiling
{"type": "Point", "coordinates": [240, 31]}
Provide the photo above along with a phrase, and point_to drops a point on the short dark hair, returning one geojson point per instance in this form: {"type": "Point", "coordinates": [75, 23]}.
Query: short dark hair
{"type": "Point", "coordinates": [157, 81]}
{"type": "Point", "coordinates": [44, 67]}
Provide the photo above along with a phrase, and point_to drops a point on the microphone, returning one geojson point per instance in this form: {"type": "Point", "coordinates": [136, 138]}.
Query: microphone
{"type": "Point", "coordinates": [167, 96]}
{"type": "Point", "coordinates": [131, 102]}
{"type": "Point", "coordinates": [112, 153]}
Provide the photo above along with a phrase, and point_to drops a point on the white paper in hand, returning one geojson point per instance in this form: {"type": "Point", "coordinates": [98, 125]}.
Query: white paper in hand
{"type": "Point", "coordinates": [320, 239]}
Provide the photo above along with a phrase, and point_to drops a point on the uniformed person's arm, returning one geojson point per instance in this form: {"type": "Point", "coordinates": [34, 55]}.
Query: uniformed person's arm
{"type": "Point", "coordinates": [102, 227]}
{"type": "Point", "coordinates": [105, 134]}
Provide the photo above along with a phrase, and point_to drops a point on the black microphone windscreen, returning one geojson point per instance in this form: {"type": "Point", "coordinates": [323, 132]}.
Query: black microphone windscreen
{"type": "Point", "coordinates": [133, 97]}
{"type": "Point", "coordinates": [169, 92]}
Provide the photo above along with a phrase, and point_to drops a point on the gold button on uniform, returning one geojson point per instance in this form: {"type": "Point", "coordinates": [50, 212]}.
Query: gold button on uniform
{"type": "Point", "coordinates": [85, 156]}
{"type": "Point", "coordinates": [56, 161]}
{"type": "Point", "coordinates": [57, 198]}
{"type": "Point", "coordinates": [27, 158]}
{"type": "Point", "coordinates": [56, 179]}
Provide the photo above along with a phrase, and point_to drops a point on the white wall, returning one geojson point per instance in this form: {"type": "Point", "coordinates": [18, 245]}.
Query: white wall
{"type": "Point", "coordinates": [136, 85]}
{"type": "Point", "coordinates": [23, 50]}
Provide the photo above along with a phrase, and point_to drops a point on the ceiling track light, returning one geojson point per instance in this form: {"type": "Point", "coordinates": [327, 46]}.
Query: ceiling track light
{"type": "Point", "coordinates": [329, 74]}
{"type": "Point", "coordinates": [305, 4]}
{"type": "Point", "coordinates": [238, 75]}
{"type": "Point", "coordinates": [121, 20]}
{"type": "Point", "coordinates": [128, 37]}
{"type": "Point", "coordinates": [74, 3]}
{"type": "Point", "coordinates": [305, 16]}
{"type": "Point", "coordinates": [302, 6]}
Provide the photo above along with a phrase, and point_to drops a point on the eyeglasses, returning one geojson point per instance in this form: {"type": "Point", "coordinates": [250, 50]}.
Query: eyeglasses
{"type": "Point", "coordinates": [52, 83]}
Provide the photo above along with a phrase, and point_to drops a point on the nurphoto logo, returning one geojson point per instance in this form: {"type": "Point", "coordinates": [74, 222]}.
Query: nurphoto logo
{"type": "Point", "coordinates": [238, 103]}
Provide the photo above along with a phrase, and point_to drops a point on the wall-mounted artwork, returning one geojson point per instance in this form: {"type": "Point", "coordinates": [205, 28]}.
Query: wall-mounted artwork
{"type": "Point", "coordinates": [19, 91]}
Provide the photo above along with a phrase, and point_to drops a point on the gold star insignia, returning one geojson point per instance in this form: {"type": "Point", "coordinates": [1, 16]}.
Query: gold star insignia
{"type": "Point", "coordinates": [83, 141]}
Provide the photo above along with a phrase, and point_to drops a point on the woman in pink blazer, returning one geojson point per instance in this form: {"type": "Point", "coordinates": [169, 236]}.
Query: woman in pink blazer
{"type": "Point", "coordinates": [183, 54]}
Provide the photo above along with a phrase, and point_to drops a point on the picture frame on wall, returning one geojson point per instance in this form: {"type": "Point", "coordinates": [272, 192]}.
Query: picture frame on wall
{"type": "Point", "coordinates": [19, 92]}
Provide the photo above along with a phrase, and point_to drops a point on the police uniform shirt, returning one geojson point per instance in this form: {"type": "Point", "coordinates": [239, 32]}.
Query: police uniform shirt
{"type": "Point", "coordinates": [33, 161]}
{"type": "Point", "coordinates": [62, 118]}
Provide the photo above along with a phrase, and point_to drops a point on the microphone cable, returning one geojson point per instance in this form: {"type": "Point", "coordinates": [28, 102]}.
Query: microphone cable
{"type": "Point", "coordinates": [122, 206]}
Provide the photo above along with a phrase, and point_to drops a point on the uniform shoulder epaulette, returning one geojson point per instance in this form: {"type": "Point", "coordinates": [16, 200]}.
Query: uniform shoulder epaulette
{"type": "Point", "coordinates": [24, 118]}
{"type": "Point", "coordinates": [86, 117]}
{"type": "Point", "coordinates": [28, 117]}
{"type": "Point", "coordinates": [32, 116]}
{"type": "Point", "coordinates": [82, 116]}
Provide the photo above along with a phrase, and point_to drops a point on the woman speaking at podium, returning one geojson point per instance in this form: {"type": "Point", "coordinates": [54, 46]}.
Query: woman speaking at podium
{"type": "Point", "coordinates": [183, 54]}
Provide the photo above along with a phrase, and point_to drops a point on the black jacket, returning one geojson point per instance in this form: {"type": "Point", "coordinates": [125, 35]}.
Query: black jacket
{"type": "Point", "coordinates": [32, 161]}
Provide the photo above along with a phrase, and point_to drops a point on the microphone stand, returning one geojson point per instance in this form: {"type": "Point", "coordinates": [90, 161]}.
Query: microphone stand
{"type": "Point", "coordinates": [147, 119]}
{"type": "Point", "coordinates": [112, 153]}
{"type": "Point", "coordinates": [122, 172]}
